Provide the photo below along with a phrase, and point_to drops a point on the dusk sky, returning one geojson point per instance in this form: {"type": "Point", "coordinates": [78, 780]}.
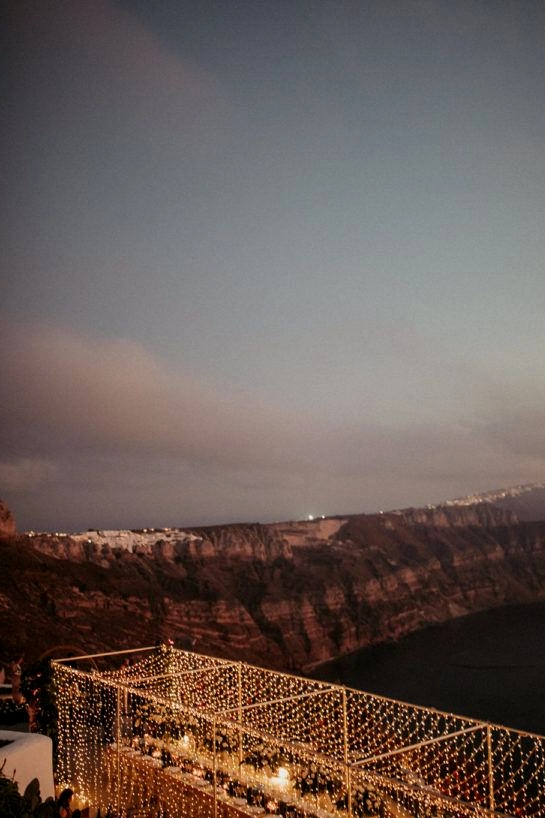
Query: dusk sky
{"type": "Point", "coordinates": [268, 259]}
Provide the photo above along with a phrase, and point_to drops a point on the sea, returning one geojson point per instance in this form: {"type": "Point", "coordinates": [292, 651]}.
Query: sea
{"type": "Point", "coordinates": [489, 666]}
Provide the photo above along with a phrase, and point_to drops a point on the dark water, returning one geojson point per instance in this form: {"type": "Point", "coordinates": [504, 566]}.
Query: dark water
{"type": "Point", "coordinates": [490, 666]}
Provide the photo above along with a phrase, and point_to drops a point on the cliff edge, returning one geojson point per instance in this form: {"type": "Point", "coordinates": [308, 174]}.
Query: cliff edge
{"type": "Point", "coordinates": [286, 595]}
{"type": "Point", "coordinates": [7, 521]}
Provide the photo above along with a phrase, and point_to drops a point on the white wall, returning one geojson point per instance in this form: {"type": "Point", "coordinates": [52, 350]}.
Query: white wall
{"type": "Point", "coordinates": [29, 756]}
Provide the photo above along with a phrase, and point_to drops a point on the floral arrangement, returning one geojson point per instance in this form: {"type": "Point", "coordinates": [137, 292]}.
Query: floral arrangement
{"type": "Point", "coordinates": [312, 780]}
{"type": "Point", "coordinates": [262, 756]}
{"type": "Point", "coordinates": [366, 802]}
{"type": "Point", "coordinates": [226, 742]}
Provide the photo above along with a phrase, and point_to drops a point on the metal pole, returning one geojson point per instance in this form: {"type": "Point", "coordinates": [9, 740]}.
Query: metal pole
{"type": "Point", "coordinates": [214, 767]}
{"type": "Point", "coordinates": [118, 749]}
{"type": "Point", "coordinates": [240, 748]}
{"type": "Point", "coordinates": [348, 778]}
{"type": "Point", "coordinates": [280, 700]}
{"type": "Point", "coordinates": [490, 769]}
{"type": "Point", "coordinates": [99, 655]}
{"type": "Point", "coordinates": [417, 746]}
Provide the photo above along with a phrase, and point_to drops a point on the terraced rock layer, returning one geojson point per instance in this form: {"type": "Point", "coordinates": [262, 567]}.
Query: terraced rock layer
{"type": "Point", "coordinates": [285, 595]}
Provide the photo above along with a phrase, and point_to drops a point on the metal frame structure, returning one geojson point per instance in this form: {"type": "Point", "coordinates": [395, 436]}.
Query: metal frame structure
{"type": "Point", "coordinates": [182, 734]}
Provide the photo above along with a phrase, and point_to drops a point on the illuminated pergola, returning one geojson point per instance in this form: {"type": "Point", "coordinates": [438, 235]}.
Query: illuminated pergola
{"type": "Point", "coordinates": [181, 735]}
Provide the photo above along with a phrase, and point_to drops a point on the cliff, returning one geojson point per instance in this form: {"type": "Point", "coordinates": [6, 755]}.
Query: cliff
{"type": "Point", "coordinates": [285, 595]}
{"type": "Point", "coordinates": [7, 521]}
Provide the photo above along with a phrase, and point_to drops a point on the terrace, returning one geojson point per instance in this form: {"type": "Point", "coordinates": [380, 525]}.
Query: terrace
{"type": "Point", "coordinates": [182, 734]}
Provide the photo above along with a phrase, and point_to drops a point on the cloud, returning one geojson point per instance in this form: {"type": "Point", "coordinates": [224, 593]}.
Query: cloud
{"type": "Point", "coordinates": [100, 431]}
{"type": "Point", "coordinates": [65, 391]}
{"type": "Point", "coordinates": [512, 420]}
{"type": "Point", "coordinates": [93, 76]}
{"type": "Point", "coordinates": [25, 473]}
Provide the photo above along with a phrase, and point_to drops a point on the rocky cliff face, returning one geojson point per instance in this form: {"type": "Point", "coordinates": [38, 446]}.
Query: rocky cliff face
{"type": "Point", "coordinates": [481, 514]}
{"type": "Point", "coordinates": [285, 595]}
{"type": "Point", "coordinates": [7, 521]}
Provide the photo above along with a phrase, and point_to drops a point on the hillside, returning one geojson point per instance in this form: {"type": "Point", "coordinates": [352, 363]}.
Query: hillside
{"type": "Point", "coordinates": [527, 502]}
{"type": "Point", "coordinates": [286, 595]}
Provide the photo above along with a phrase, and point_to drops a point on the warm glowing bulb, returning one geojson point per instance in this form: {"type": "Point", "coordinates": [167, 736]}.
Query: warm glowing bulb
{"type": "Point", "coordinates": [283, 775]}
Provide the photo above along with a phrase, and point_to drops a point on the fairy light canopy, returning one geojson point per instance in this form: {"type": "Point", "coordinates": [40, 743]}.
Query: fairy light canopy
{"type": "Point", "coordinates": [175, 732]}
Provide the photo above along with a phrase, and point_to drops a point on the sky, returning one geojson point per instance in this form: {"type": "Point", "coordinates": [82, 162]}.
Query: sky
{"type": "Point", "coordinates": [265, 260]}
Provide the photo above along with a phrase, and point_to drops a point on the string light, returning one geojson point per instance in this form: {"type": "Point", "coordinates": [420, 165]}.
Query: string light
{"type": "Point", "coordinates": [178, 733]}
